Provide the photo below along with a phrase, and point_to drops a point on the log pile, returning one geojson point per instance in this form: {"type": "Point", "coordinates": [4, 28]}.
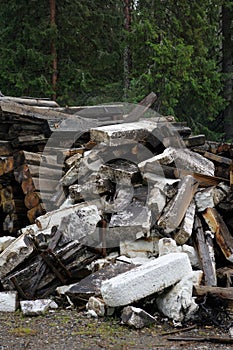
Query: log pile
{"type": "Point", "coordinates": [131, 186]}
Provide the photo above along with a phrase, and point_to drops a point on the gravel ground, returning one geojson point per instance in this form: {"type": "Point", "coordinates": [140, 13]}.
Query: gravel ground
{"type": "Point", "coordinates": [70, 329]}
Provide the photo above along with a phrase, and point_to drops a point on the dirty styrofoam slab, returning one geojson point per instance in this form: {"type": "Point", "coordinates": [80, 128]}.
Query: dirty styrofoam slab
{"type": "Point", "coordinates": [145, 280]}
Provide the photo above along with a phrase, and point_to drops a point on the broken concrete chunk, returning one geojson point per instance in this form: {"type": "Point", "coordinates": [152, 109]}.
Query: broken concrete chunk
{"type": "Point", "coordinates": [220, 192]}
{"type": "Point", "coordinates": [8, 301]}
{"type": "Point", "coordinates": [144, 247]}
{"type": "Point", "coordinates": [192, 254]}
{"type": "Point", "coordinates": [37, 307]}
{"type": "Point", "coordinates": [132, 223]}
{"type": "Point", "coordinates": [122, 198]}
{"type": "Point", "coordinates": [156, 201]}
{"type": "Point", "coordinates": [186, 227]}
{"type": "Point", "coordinates": [125, 133]}
{"type": "Point", "coordinates": [144, 280]}
{"type": "Point", "coordinates": [178, 303]}
{"type": "Point", "coordinates": [97, 305]}
{"type": "Point", "coordinates": [14, 254]}
{"type": "Point", "coordinates": [53, 218]}
{"type": "Point", "coordinates": [183, 159]}
{"type": "Point", "coordinates": [121, 171]}
{"type": "Point", "coordinates": [175, 211]}
{"type": "Point", "coordinates": [204, 199]}
{"type": "Point", "coordinates": [210, 197]}
{"type": "Point", "coordinates": [80, 224]}
{"type": "Point", "coordinates": [5, 241]}
{"type": "Point", "coordinates": [168, 246]}
{"type": "Point", "coordinates": [136, 317]}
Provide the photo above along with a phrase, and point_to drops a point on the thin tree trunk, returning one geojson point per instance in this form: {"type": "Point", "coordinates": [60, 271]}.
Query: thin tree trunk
{"type": "Point", "coordinates": [127, 52]}
{"type": "Point", "coordinates": [227, 22]}
{"type": "Point", "coordinates": [53, 48]}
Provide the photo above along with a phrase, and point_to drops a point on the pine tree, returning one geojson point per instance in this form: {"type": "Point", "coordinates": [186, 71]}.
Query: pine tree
{"type": "Point", "coordinates": [25, 55]}
{"type": "Point", "coordinates": [175, 57]}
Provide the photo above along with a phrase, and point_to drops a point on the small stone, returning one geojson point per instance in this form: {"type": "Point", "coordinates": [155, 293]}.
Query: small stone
{"type": "Point", "coordinates": [136, 317]}
{"type": "Point", "coordinates": [91, 313]}
{"type": "Point", "coordinates": [97, 305]}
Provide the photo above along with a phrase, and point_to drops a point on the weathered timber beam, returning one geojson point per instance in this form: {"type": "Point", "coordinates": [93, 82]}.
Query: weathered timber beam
{"type": "Point", "coordinates": [218, 227]}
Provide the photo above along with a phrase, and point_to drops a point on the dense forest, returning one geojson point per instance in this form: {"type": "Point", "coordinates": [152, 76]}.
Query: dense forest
{"type": "Point", "coordinates": [91, 52]}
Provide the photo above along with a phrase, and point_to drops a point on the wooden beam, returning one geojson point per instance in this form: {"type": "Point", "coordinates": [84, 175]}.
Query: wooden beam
{"type": "Point", "coordinates": [222, 235]}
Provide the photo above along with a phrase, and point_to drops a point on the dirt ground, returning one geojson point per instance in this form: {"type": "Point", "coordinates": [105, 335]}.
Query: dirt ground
{"type": "Point", "coordinates": [70, 329]}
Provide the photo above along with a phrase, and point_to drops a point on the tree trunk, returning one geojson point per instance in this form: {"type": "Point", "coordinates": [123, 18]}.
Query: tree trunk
{"type": "Point", "coordinates": [127, 53]}
{"type": "Point", "coordinates": [227, 22]}
{"type": "Point", "coordinates": [53, 48]}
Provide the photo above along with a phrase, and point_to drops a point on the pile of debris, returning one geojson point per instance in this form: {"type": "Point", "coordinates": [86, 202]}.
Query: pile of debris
{"type": "Point", "coordinates": [112, 208]}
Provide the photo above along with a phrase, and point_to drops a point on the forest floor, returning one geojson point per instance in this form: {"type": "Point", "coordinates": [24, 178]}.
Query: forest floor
{"type": "Point", "coordinates": [70, 329]}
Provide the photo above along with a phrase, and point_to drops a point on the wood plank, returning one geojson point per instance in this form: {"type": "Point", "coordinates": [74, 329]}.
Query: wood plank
{"type": "Point", "coordinates": [24, 157]}
{"type": "Point", "coordinates": [218, 159]}
{"type": "Point", "coordinates": [29, 101]}
{"type": "Point", "coordinates": [175, 211]}
{"type": "Point", "coordinates": [219, 292]}
{"type": "Point", "coordinates": [177, 173]}
{"type": "Point", "coordinates": [141, 108]}
{"type": "Point", "coordinates": [222, 235]}
{"type": "Point", "coordinates": [204, 254]}
{"type": "Point", "coordinates": [193, 141]}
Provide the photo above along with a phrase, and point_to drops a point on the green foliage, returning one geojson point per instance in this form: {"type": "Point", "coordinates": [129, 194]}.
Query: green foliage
{"type": "Point", "coordinates": [176, 56]}
{"type": "Point", "coordinates": [175, 48]}
{"type": "Point", "coordinates": [25, 57]}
